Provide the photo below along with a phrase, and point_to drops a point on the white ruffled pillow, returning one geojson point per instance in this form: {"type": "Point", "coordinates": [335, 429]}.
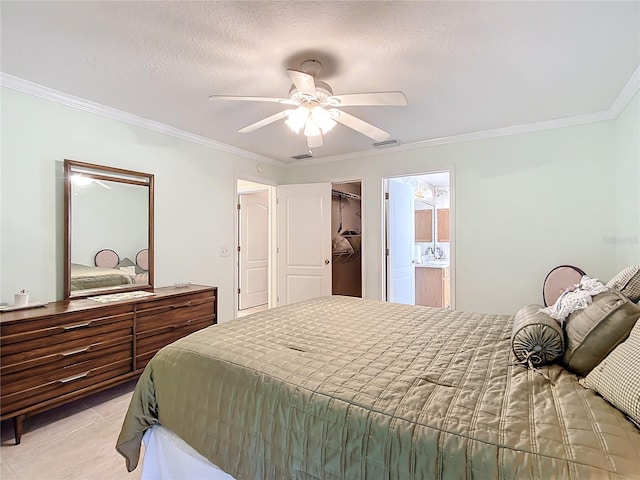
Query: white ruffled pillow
{"type": "Point", "coordinates": [575, 298]}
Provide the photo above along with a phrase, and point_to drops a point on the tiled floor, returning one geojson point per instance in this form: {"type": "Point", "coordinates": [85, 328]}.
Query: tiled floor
{"type": "Point", "coordinates": [72, 442]}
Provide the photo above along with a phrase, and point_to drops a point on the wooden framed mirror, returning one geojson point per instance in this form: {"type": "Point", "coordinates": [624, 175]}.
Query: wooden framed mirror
{"type": "Point", "coordinates": [108, 230]}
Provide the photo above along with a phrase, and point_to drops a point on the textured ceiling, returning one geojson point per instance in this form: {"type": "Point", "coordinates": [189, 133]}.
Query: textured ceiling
{"type": "Point", "coordinates": [464, 66]}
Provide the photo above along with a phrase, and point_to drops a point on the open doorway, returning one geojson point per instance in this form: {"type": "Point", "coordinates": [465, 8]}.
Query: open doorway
{"type": "Point", "coordinates": [346, 238]}
{"type": "Point", "coordinates": [419, 241]}
{"type": "Point", "coordinates": [253, 247]}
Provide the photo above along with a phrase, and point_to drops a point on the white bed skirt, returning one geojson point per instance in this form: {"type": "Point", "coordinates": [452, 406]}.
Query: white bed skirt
{"type": "Point", "coordinates": [168, 457]}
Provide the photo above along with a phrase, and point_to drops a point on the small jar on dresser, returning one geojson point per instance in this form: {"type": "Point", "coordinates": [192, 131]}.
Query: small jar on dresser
{"type": "Point", "coordinates": [71, 349]}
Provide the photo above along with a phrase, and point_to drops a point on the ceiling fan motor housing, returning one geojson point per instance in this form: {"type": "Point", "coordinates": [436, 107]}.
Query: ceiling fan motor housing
{"type": "Point", "coordinates": [323, 93]}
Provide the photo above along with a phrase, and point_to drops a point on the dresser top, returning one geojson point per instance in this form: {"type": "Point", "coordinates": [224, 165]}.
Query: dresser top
{"type": "Point", "coordinates": [74, 305]}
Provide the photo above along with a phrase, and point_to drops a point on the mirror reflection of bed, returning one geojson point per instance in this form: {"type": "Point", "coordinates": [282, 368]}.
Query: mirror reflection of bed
{"type": "Point", "coordinates": [109, 271]}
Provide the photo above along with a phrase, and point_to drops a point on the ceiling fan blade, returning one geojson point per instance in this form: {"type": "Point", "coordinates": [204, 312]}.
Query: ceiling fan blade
{"type": "Point", "coordinates": [303, 82]}
{"type": "Point", "coordinates": [374, 98]}
{"type": "Point", "coordinates": [360, 126]}
{"type": "Point", "coordinates": [264, 121]}
{"type": "Point", "coordinates": [286, 101]}
{"type": "Point", "coordinates": [315, 141]}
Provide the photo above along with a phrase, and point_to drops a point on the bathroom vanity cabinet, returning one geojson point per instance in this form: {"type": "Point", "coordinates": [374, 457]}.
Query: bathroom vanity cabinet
{"type": "Point", "coordinates": [433, 286]}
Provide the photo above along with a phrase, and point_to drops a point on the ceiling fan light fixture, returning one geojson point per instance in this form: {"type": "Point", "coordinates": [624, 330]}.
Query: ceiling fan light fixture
{"type": "Point", "coordinates": [297, 119]}
{"type": "Point", "coordinates": [311, 129]}
{"type": "Point", "coordinates": [313, 121]}
{"type": "Point", "coordinates": [322, 119]}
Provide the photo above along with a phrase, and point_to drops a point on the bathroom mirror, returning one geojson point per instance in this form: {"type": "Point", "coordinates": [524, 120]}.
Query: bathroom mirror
{"type": "Point", "coordinates": [108, 230]}
{"type": "Point", "coordinates": [425, 221]}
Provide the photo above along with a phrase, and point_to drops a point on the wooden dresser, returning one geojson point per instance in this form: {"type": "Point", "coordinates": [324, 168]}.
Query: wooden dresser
{"type": "Point", "coordinates": [71, 349]}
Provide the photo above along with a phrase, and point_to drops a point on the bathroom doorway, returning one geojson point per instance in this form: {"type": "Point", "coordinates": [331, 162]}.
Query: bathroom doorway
{"type": "Point", "coordinates": [419, 239]}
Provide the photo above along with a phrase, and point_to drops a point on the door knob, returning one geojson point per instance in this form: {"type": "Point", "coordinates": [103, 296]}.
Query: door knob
{"type": "Point", "coordinates": [326, 261]}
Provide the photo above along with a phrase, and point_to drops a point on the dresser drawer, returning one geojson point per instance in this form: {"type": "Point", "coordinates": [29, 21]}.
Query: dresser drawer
{"type": "Point", "coordinates": [61, 386]}
{"type": "Point", "coordinates": [176, 301]}
{"type": "Point", "coordinates": [31, 328]}
{"type": "Point", "coordinates": [148, 343]}
{"type": "Point", "coordinates": [64, 368]}
{"type": "Point", "coordinates": [22, 347]}
{"type": "Point", "coordinates": [175, 312]}
{"type": "Point", "coordinates": [41, 365]}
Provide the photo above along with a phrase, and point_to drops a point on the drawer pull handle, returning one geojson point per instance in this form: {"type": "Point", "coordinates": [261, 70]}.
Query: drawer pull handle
{"type": "Point", "coordinates": [76, 352]}
{"type": "Point", "coordinates": [182, 305]}
{"type": "Point", "coordinates": [77, 326]}
{"type": "Point", "coordinates": [75, 377]}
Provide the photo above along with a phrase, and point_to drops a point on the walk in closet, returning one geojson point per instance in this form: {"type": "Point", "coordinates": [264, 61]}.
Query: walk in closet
{"type": "Point", "coordinates": [346, 228]}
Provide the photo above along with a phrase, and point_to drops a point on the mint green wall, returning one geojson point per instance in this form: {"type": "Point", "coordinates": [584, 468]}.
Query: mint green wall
{"type": "Point", "coordinates": [625, 237]}
{"type": "Point", "coordinates": [524, 204]}
{"type": "Point", "coordinates": [194, 195]}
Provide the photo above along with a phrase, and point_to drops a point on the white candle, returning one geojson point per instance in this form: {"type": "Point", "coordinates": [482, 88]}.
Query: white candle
{"type": "Point", "coordinates": [21, 298]}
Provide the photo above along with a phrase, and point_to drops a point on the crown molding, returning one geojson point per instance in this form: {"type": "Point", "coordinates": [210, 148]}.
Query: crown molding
{"type": "Point", "coordinates": [465, 137]}
{"type": "Point", "coordinates": [47, 93]}
{"type": "Point", "coordinates": [627, 93]}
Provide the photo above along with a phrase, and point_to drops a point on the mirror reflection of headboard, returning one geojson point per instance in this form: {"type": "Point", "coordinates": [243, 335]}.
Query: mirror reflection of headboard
{"type": "Point", "coordinates": [108, 230]}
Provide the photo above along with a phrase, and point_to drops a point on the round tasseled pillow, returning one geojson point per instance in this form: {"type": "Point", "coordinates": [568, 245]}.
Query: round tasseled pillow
{"type": "Point", "coordinates": [536, 337]}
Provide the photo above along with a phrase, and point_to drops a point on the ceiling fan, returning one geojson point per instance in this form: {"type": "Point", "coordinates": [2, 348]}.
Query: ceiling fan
{"type": "Point", "coordinates": [315, 109]}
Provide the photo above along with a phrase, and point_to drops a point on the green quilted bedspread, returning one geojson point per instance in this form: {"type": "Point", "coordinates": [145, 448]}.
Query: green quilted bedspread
{"type": "Point", "coordinates": [345, 388]}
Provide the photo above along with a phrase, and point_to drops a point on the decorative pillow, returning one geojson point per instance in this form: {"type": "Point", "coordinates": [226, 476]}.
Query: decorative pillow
{"type": "Point", "coordinates": [536, 337]}
{"type": "Point", "coordinates": [106, 258]}
{"type": "Point", "coordinates": [575, 297]}
{"type": "Point", "coordinates": [142, 259]}
{"type": "Point", "coordinates": [127, 266]}
{"type": "Point", "coordinates": [628, 282]}
{"type": "Point", "coordinates": [592, 333]}
{"type": "Point", "coordinates": [617, 377]}
{"type": "Point", "coordinates": [126, 262]}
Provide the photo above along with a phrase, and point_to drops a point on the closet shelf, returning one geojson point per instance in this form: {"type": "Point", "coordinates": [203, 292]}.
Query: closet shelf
{"type": "Point", "coordinates": [341, 194]}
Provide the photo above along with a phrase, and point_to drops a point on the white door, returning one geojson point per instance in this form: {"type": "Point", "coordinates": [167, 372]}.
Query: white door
{"type": "Point", "coordinates": [304, 242]}
{"type": "Point", "coordinates": [254, 251]}
{"type": "Point", "coordinates": [401, 237]}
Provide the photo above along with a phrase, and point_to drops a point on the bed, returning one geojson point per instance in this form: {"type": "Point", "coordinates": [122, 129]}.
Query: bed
{"type": "Point", "coordinates": [347, 388]}
{"type": "Point", "coordinates": [85, 277]}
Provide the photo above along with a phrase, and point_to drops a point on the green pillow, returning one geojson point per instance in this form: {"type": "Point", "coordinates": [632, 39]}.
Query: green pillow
{"type": "Point", "coordinates": [593, 332]}
{"type": "Point", "coordinates": [536, 337]}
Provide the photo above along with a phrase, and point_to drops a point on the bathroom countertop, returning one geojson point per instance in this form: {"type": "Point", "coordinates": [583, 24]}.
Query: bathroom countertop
{"type": "Point", "coordinates": [434, 264]}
